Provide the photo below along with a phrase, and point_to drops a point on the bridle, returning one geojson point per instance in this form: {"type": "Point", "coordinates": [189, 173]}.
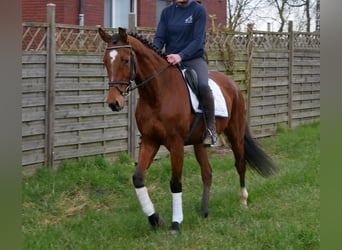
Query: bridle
{"type": "Point", "coordinates": [130, 83]}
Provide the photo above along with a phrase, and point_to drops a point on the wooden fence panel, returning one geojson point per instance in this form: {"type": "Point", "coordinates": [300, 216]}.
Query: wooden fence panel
{"type": "Point", "coordinates": [269, 91]}
{"type": "Point", "coordinates": [33, 109]}
{"type": "Point", "coordinates": [84, 125]}
{"type": "Point", "coordinates": [280, 88]}
{"type": "Point", "coordinates": [306, 87]}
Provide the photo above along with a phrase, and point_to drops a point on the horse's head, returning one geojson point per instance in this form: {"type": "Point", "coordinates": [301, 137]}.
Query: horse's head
{"type": "Point", "coordinates": [120, 64]}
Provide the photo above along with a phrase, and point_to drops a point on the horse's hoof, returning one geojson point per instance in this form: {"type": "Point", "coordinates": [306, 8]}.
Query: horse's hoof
{"type": "Point", "coordinates": [174, 229]}
{"type": "Point", "coordinates": [156, 220]}
{"type": "Point", "coordinates": [204, 214]}
{"type": "Point", "coordinates": [243, 203]}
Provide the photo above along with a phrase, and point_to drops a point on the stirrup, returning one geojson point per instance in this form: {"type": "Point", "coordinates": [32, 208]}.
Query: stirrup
{"type": "Point", "coordinates": [210, 139]}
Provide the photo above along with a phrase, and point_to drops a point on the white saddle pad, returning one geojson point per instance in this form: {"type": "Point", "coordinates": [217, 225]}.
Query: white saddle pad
{"type": "Point", "coordinates": [220, 102]}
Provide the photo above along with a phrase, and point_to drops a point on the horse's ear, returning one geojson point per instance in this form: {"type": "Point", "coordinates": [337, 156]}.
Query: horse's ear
{"type": "Point", "coordinates": [123, 35]}
{"type": "Point", "coordinates": [105, 36]}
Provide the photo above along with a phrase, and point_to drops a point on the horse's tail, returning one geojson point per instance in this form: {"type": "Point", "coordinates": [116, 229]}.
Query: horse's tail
{"type": "Point", "coordinates": [256, 157]}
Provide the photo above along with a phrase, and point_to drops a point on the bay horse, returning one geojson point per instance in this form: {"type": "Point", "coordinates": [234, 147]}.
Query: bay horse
{"type": "Point", "coordinates": [164, 117]}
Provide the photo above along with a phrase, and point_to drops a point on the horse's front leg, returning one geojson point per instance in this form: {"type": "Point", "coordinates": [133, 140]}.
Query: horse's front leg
{"type": "Point", "coordinates": [177, 159]}
{"type": "Point", "coordinates": [147, 151]}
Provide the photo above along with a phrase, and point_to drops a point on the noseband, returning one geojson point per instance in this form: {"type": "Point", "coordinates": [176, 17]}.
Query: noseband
{"type": "Point", "coordinates": [132, 73]}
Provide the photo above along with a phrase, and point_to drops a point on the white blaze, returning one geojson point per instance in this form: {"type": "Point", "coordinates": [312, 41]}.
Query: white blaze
{"type": "Point", "coordinates": [112, 55]}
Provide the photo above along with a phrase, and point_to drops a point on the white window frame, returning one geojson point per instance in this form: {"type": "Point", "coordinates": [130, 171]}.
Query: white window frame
{"type": "Point", "coordinates": [112, 21]}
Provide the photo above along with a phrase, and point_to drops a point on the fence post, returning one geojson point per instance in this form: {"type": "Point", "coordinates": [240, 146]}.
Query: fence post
{"type": "Point", "coordinates": [250, 46]}
{"type": "Point", "coordinates": [50, 86]}
{"type": "Point", "coordinates": [132, 127]}
{"type": "Point", "coordinates": [291, 58]}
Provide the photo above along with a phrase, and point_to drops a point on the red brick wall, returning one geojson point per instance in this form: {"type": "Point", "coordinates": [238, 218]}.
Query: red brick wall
{"type": "Point", "coordinates": [67, 11]}
{"type": "Point", "coordinates": [60, 10]}
{"type": "Point", "coordinates": [94, 12]}
{"type": "Point", "coordinates": [70, 12]}
{"type": "Point", "coordinates": [146, 13]}
{"type": "Point", "coordinates": [33, 11]}
{"type": "Point", "coordinates": [217, 7]}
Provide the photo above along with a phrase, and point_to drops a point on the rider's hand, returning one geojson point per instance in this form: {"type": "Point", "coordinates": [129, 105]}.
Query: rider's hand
{"type": "Point", "coordinates": [174, 59]}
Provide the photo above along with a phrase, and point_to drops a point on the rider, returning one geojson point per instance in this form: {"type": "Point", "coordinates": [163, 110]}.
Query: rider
{"type": "Point", "coordinates": [181, 30]}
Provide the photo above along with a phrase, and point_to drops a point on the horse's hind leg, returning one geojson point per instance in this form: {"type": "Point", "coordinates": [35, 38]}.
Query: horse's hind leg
{"type": "Point", "coordinates": [236, 139]}
{"type": "Point", "coordinates": [202, 158]}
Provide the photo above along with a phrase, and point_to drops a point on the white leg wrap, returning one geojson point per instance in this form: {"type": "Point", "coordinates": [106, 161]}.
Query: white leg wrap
{"type": "Point", "coordinates": [244, 196]}
{"type": "Point", "coordinates": [177, 210]}
{"type": "Point", "coordinates": [145, 201]}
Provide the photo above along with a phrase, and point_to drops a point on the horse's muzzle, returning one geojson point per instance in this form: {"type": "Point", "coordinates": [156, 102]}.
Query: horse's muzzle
{"type": "Point", "coordinates": [115, 106]}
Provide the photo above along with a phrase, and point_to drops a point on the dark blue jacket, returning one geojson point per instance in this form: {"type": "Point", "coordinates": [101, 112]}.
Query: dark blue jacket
{"type": "Point", "coordinates": [182, 30]}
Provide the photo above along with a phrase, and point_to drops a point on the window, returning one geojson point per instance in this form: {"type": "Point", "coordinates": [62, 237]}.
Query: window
{"type": "Point", "coordinates": [161, 4]}
{"type": "Point", "coordinates": [116, 12]}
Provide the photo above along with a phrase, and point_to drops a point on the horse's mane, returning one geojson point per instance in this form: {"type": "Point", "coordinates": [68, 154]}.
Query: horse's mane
{"type": "Point", "coordinates": [148, 44]}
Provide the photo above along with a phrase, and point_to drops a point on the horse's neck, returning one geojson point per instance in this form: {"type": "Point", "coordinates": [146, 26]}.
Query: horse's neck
{"type": "Point", "coordinates": [150, 65]}
{"type": "Point", "coordinates": [153, 88]}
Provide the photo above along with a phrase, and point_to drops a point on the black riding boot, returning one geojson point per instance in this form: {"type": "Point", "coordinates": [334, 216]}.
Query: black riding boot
{"type": "Point", "coordinates": [207, 103]}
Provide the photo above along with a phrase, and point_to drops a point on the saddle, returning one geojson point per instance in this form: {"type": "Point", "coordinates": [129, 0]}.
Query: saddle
{"type": "Point", "coordinates": [190, 78]}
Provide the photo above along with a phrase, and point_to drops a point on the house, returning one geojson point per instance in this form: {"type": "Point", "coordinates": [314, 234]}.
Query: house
{"type": "Point", "coordinates": [112, 13]}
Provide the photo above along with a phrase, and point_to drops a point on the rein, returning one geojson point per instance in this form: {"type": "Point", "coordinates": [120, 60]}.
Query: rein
{"type": "Point", "coordinates": [132, 72]}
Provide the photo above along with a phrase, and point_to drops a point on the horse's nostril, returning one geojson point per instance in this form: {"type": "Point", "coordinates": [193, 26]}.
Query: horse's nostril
{"type": "Point", "coordinates": [114, 106]}
{"type": "Point", "coordinates": [111, 106]}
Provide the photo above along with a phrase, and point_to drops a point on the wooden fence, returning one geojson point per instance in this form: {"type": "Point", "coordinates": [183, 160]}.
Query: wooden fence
{"type": "Point", "coordinates": [64, 86]}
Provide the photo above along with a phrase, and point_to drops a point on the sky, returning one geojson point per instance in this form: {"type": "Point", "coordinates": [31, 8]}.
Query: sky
{"type": "Point", "coordinates": [268, 14]}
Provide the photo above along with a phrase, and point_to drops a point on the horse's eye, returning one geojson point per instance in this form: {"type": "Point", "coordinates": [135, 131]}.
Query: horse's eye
{"type": "Point", "coordinates": [126, 61]}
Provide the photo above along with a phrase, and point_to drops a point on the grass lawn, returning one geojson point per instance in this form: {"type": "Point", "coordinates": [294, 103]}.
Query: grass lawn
{"type": "Point", "coordinates": [91, 204]}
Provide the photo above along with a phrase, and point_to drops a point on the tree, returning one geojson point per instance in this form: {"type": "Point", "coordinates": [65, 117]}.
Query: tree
{"type": "Point", "coordinates": [286, 7]}
{"type": "Point", "coordinates": [303, 12]}
{"type": "Point", "coordinates": [282, 10]}
{"type": "Point", "coordinates": [318, 15]}
{"type": "Point", "coordinates": [306, 5]}
{"type": "Point", "coordinates": [240, 12]}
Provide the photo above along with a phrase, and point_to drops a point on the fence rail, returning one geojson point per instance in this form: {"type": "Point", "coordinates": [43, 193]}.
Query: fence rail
{"type": "Point", "coordinates": [64, 86]}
